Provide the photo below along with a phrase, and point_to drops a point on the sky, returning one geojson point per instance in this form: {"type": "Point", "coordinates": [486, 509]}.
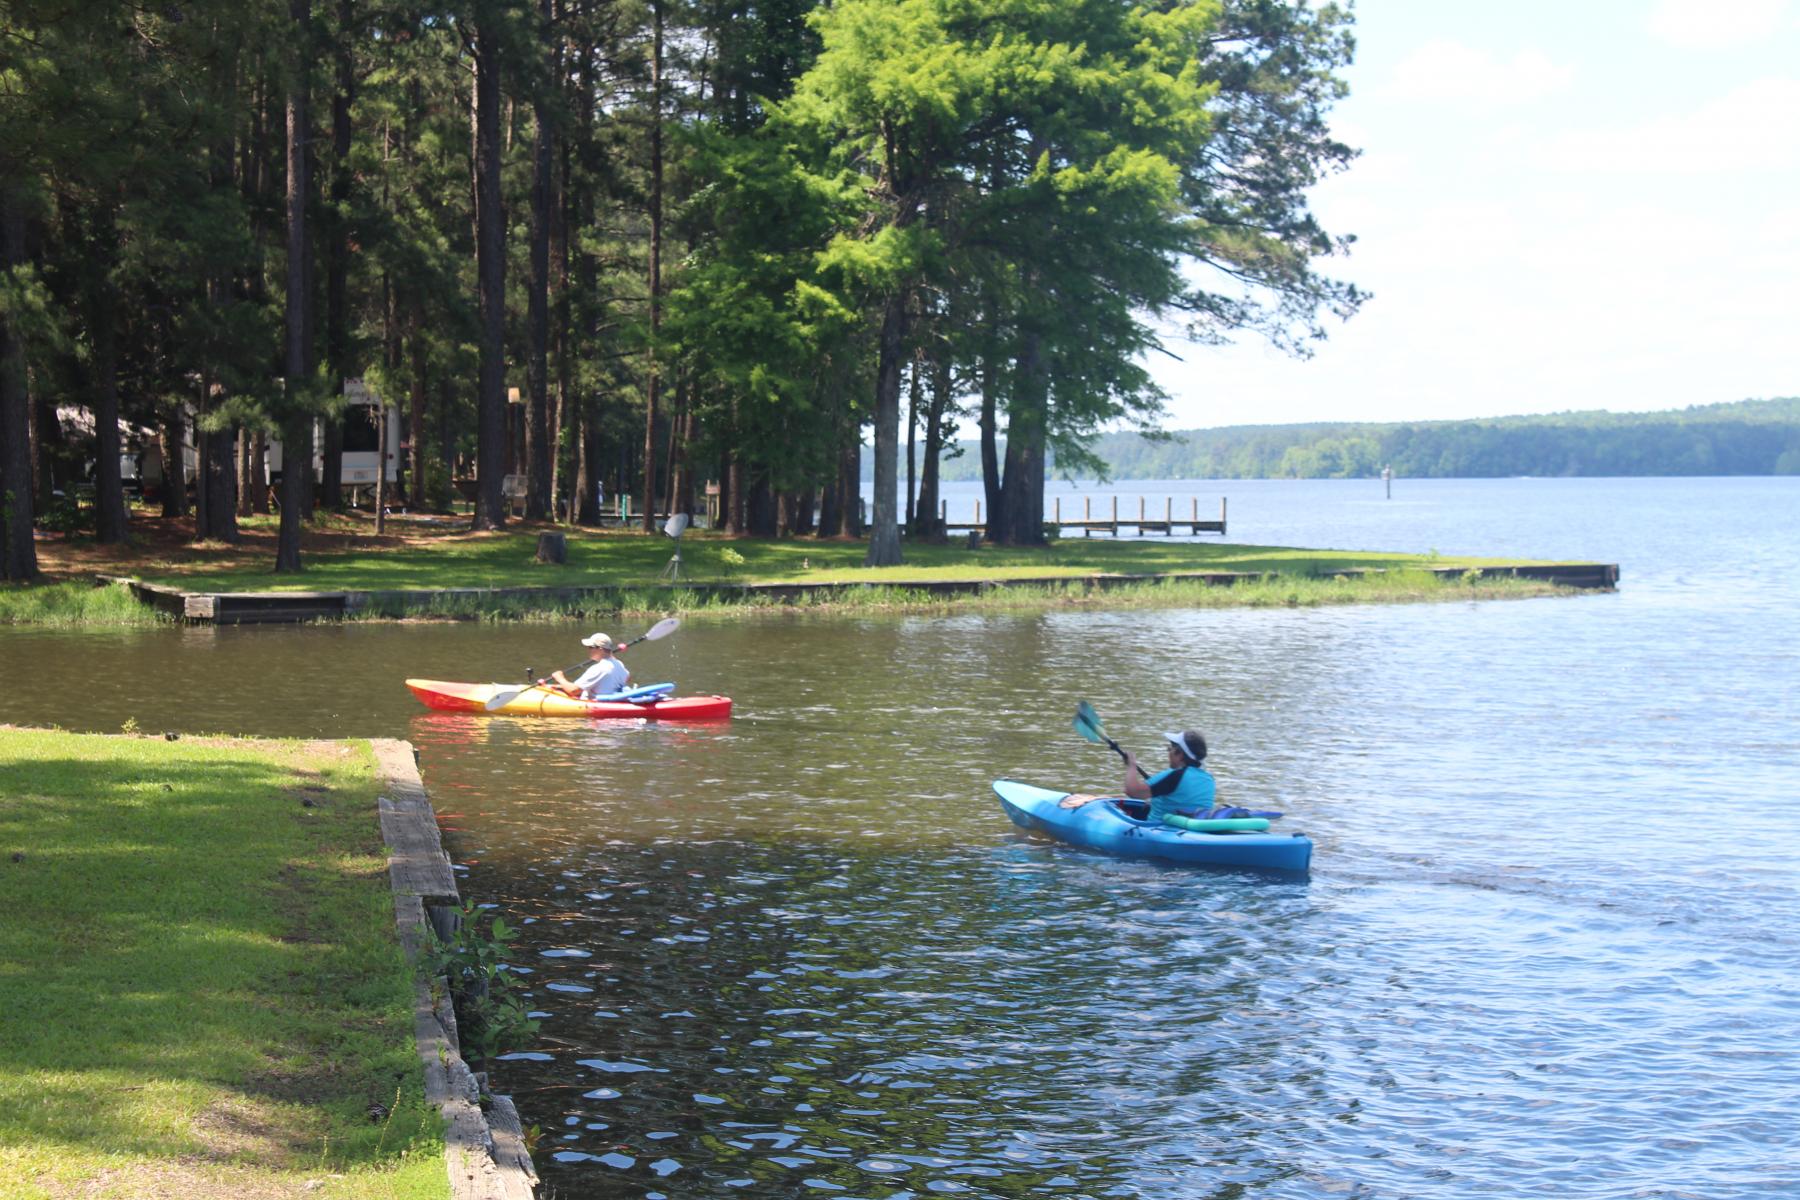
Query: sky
{"type": "Point", "coordinates": [1560, 204]}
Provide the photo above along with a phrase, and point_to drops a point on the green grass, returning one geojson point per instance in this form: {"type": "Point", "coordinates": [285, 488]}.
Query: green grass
{"type": "Point", "coordinates": [622, 559]}
{"type": "Point", "coordinates": [75, 604]}
{"type": "Point", "coordinates": [202, 990]}
{"type": "Point", "coordinates": [1402, 586]}
{"type": "Point", "coordinates": [631, 565]}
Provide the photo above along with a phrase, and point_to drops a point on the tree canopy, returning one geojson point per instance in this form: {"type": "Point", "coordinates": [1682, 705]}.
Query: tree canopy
{"type": "Point", "coordinates": [633, 245]}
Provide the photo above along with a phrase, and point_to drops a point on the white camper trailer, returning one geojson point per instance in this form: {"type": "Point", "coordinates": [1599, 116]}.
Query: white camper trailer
{"type": "Point", "coordinates": [363, 414]}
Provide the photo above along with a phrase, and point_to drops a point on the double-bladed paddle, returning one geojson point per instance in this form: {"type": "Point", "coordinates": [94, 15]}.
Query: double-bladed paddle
{"type": "Point", "coordinates": [1087, 724]}
{"type": "Point", "coordinates": [505, 696]}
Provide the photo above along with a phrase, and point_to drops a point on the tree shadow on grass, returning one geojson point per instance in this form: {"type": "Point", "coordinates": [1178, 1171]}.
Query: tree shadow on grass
{"type": "Point", "coordinates": [173, 922]}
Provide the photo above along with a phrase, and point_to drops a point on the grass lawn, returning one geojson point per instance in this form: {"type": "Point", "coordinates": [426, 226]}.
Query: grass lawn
{"type": "Point", "coordinates": [629, 559]}
{"type": "Point", "coordinates": [342, 553]}
{"type": "Point", "coordinates": [201, 990]}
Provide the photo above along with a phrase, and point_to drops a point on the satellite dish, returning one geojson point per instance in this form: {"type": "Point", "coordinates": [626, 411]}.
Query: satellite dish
{"type": "Point", "coordinates": [676, 524]}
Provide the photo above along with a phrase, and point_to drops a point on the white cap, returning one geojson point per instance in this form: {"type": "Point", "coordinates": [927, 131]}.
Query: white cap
{"type": "Point", "coordinates": [599, 641]}
{"type": "Point", "coordinates": [1189, 743]}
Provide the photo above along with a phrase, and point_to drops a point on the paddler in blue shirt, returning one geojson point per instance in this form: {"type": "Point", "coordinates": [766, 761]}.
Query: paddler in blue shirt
{"type": "Point", "coordinates": [1185, 788]}
{"type": "Point", "coordinates": [604, 675]}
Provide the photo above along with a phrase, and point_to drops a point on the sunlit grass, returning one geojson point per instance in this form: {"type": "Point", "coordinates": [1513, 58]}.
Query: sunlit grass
{"type": "Point", "coordinates": [202, 987]}
{"type": "Point", "coordinates": [627, 559]}
{"type": "Point", "coordinates": [72, 604]}
{"type": "Point", "coordinates": [629, 569]}
{"type": "Point", "coordinates": [1403, 586]}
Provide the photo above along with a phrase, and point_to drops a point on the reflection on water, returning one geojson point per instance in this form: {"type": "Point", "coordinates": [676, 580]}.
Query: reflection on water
{"type": "Point", "coordinates": [1546, 948]}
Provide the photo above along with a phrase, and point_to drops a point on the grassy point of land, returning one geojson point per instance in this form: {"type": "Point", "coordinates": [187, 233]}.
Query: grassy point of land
{"type": "Point", "coordinates": [344, 555]}
{"type": "Point", "coordinates": [203, 992]}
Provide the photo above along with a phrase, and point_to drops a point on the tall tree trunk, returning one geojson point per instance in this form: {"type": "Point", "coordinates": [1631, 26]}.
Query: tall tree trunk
{"type": "Point", "coordinates": [849, 474]}
{"type": "Point", "coordinates": [202, 458]}
{"type": "Point", "coordinates": [381, 458]}
{"type": "Point", "coordinates": [587, 481]}
{"type": "Point", "coordinates": [560, 316]}
{"type": "Point", "coordinates": [490, 270]}
{"type": "Point", "coordinates": [296, 433]}
{"type": "Point", "coordinates": [109, 485]}
{"type": "Point", "coordinates": [736, 485]}
{"type": "Point", "coordinates": [242, 452]}
{"type": "Point", "coordinates": [218, 482]}
{"type": "Point", "coordinates": [537, 360]}
{"type": "Point", "coordinates": [337, 272]}
{"type": "Point", "coordinates": [47, 443]}
{"type": "Point", "coordinates": [907, 513]}
{"type": "Point", "coordinates": [243, 471]}
{"type": "Point", "coordinates": [18, 550]}
{"type": "Point", "coordinates": [656, 230]}
{"type": "Point", "coordinates": [173, 449]}
{"type": "Point", "coordinates": [416, 419]}
{"type": "Point", "coordinates": [309, 266]}
{"type": "Point", "coordinates": [989, 421]}
{"type": "Point", "coordinates": [761, 504]}
{"type": "Point", "coordinates": [884, 533]}
{"type": "Point", "coordinates": [1026, 419]}
{"type": "Point", "coordinates": [681, 436]}
{"type": "Point", "coordinates": [446, 445]}
{"type": "Point", "coordinates": [925, 510]}
{"type": "Point", "coordinates": [217, 485]}
{"type": "Point", "coordinates": [259, 473]}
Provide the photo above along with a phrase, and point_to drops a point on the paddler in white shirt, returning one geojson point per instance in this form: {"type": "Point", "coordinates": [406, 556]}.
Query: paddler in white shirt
{"type": "Point", "coordinates": [604, 675]}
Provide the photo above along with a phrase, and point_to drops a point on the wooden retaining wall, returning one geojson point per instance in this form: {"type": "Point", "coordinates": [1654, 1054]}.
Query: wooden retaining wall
{"type": "Point", "coordinates": [257, 608]}
{"type": "Point", "coordinates": [484, 1150]}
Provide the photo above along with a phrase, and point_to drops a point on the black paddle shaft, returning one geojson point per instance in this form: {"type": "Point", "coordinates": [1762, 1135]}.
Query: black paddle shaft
{"type": "Point", "coordinates": [1142, 774]}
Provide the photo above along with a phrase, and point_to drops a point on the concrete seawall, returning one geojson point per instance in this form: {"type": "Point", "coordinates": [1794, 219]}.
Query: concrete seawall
{"type": "Point", "coordinates": [484, 1148]}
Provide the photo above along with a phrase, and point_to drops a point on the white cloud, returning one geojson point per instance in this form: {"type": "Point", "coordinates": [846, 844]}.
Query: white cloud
{"type": "Point", "coordinates": [1715, 24]}
{"type": "Point", "coordinates": [1445, 70]}
{"type": "Point", "coordinates": [1750, 128]}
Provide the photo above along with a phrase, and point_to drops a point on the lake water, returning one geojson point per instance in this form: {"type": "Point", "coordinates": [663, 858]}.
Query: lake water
{"type": "Point", "coordinates": [1550, 945]}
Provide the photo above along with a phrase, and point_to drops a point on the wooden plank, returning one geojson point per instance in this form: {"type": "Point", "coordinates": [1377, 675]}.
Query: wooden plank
{"type": "Point", "coordinates": [417, 864]}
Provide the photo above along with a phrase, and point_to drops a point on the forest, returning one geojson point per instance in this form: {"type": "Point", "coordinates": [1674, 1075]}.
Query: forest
{"type": "Point", "coordinates": [1751, 437]}
{"type": "Point", "coordinates": [633, 247]}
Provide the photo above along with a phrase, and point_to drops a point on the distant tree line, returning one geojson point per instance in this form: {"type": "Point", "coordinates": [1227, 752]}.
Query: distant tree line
{"type": "Point", "coordinates": [698, 239]}
{"type": "Point", "coordinates": [1752, 437]}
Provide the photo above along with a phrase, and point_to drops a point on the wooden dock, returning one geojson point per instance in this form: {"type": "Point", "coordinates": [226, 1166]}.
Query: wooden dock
{"type": "Point", "coordinates": [1110, 522]}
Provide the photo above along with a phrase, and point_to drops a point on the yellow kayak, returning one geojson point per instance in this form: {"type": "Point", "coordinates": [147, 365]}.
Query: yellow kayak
{"type": "Point", "coordinates": [549, 702]}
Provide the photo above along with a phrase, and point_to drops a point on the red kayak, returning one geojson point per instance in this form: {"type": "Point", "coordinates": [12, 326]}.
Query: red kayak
{"type": "Point", "coordinates": [547, 702]}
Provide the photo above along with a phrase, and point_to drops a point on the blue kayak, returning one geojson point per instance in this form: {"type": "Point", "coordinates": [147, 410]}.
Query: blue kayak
{"type": "Point", "coordinates": [1098, 823]}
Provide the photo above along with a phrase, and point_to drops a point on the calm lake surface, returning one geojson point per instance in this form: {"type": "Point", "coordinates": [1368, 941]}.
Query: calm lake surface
{"type": "Point", "coordinates": [1550, 945]}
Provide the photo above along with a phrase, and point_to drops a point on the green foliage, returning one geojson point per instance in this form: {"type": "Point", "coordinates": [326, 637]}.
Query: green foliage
{"type": "Point", "coordinates": [730, 561]}
{"type": "Point", "coordinates": [1022, 192]}
{"type": "Point", "coordinates": [1752, 437]}
{"type": "Point", "coordinates": [66, 516]}
{"type": "Point", "coordinates": [76, 604]}
{"type": "Point", "coordinates": [490, 1017]}
{"type": "Point", "coordinates": [439, 495]}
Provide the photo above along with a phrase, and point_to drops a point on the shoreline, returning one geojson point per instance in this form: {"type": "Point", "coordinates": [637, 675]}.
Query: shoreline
{"type": "Point", "coordinates": [97, 604]}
